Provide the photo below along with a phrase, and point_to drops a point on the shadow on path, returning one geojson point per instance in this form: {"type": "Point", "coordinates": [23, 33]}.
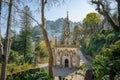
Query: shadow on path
{"type": "Point", "coordinates": [87, 63]}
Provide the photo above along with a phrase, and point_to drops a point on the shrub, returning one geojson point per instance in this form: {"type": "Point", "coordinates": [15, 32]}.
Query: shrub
{"type": "Point", "coordinates": [39, 75]}
{"type": "Point", "coordinates": [107, 56]}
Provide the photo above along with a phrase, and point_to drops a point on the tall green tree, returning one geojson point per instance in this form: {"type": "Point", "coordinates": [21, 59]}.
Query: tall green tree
{"type": "Point", "coordinates": [78, 31]}
{"type": "Point", "coordinates": [25, 34]}
{"type": "Point", "coordinates": [90, 28]}
{"type": "Point", "coordinates": [91, 22]}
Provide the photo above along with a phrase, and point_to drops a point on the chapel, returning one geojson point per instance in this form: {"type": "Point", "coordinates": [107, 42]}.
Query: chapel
{"type": "Point", "coordinates": [66, 54]}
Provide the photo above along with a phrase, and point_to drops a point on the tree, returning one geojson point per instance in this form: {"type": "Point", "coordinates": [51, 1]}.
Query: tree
{"type": "Point", "coordinates": [7, 43]}
{"type": "Point", "coordinates": [43, 2]}
{"type": "Point", "coordinates": [91, 28]}
{"type": "Point", "coordinates": [77, 33]}
{"type": "Point", "coordinates": [25, 34]}
{"type": "Point", "coordinates": [91, 22]}
{"type": "Point", "coordinates": [42, 49]}
{"type": "Point", "coordinates": [1, 46]}
{"type": "Point", "coordinates": [104, 8]}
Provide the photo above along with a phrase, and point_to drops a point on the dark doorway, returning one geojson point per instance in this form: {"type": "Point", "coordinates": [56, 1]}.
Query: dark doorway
{"type": "Point", "coordinates": [66, 63]}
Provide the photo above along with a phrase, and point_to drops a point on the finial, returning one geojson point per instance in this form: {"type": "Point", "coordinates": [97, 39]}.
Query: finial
{"type": "Point", "coordinates": [67, 15]}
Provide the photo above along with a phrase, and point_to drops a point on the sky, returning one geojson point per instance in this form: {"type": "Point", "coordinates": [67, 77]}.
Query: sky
{"type": "Point", "coordinates": [78, 9]}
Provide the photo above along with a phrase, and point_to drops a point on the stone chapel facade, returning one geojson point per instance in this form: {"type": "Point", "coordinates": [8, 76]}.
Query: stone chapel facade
{"type": "Point", "coordinates": [66, 55]}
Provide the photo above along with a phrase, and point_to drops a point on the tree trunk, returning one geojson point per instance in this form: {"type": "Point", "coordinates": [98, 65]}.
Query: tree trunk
{"type": "Point", "coordinates": [1, 50]}
{"type": "Point", "coordinates": [112, 22]}
{"type": "Point", "coordinates": [1, 47]}
{"type": "Point", "coordinates": [89, 75]}
{"type": "Point", "coordinates": [112, 72]}
{"type": "Point", "coordinates": [118, 1]}
{"type": "Point", "coordinates": [7, 44]}
{"type": "Point", "coordinates": [46, 39]}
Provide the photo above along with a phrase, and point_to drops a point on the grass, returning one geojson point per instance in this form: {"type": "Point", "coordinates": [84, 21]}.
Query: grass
{"type": "Point", "coordinates": [44, 60]}
{"type": "Point", "coordinates": [13, 68]}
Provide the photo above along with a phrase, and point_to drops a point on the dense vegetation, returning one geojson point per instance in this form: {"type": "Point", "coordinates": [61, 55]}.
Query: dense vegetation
{"type": "Point", "coordinates": [21, 56]}
{"type": "Point", "coordinates": [103, 42]}
{"type": "Point", "coordinates": [40, 74]}
{"type": "Point", "coordinates": [104, 48]}
{"type": "Point", "coordinates": [17, 68]}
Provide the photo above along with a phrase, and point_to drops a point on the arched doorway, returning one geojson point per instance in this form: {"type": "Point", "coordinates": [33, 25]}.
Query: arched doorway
{"type": "Point", "coordinates": [66, 63]}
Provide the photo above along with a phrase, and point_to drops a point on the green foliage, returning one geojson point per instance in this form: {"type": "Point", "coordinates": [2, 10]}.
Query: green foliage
{"type": "Point", "coordinates": [14, 57]}
{"type": "Point", "coordinates": [83, 68]}
{"type": "Point", "coordinates": [40, 75]}
{"type": "Point", "coordinates": [104, 48]}
{"type": "Point", "coordinates": [101, 62]}
{"type": "Point", "coordinates": [110, 37]}
{"type": "Point", "coordinates": [73, 42]}
{"type": "Point", "coordinates": [13, 68]}
{"type": "Point", "coordinates": [99, 41]}
{"type": "Point", "coordinates": [100, 66]}
{"type": "Point", "coordinates": [25, 47]}
{"type": "Point", "coordinates": [95, 44]}
{"type": "Point", "coordinates": [37, 33]}
{"type": "Point", "coordinates": [91, 23]}
{"type": "Point", "coordinates": [92, 18]}
{"type": "Point", "coordinates": [77, 32]}
{"type": "Point", "coordinates": [42, 49]}
{"type": "Point", "coordinates": [109, 54]}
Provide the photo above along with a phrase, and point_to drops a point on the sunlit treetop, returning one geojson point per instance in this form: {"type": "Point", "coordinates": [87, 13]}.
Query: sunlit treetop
{"type": "Point", "coordinates": [92, 18]}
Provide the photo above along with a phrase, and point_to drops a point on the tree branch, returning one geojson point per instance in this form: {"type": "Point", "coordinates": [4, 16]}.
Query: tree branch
{"type": "Point", "coordinates": [103, 11]}
{"type": "Point", "coordinates": [21, 11]}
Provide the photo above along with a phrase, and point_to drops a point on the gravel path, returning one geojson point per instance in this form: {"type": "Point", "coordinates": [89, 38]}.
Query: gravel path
{"type": "Point", "coordinates": [87, 63]}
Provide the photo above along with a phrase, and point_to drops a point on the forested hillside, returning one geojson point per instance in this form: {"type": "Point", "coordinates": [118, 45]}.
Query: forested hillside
{"type": "Point", "coordinates": [54, 28]}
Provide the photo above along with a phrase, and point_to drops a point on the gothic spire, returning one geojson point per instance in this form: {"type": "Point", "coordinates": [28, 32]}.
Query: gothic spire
{"type": "Point", "coordinates": [67, 23]}
{"type": "Point", "coordinates": [67, 16]}
{"type": "Point", "coordinates": [67, 31]}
